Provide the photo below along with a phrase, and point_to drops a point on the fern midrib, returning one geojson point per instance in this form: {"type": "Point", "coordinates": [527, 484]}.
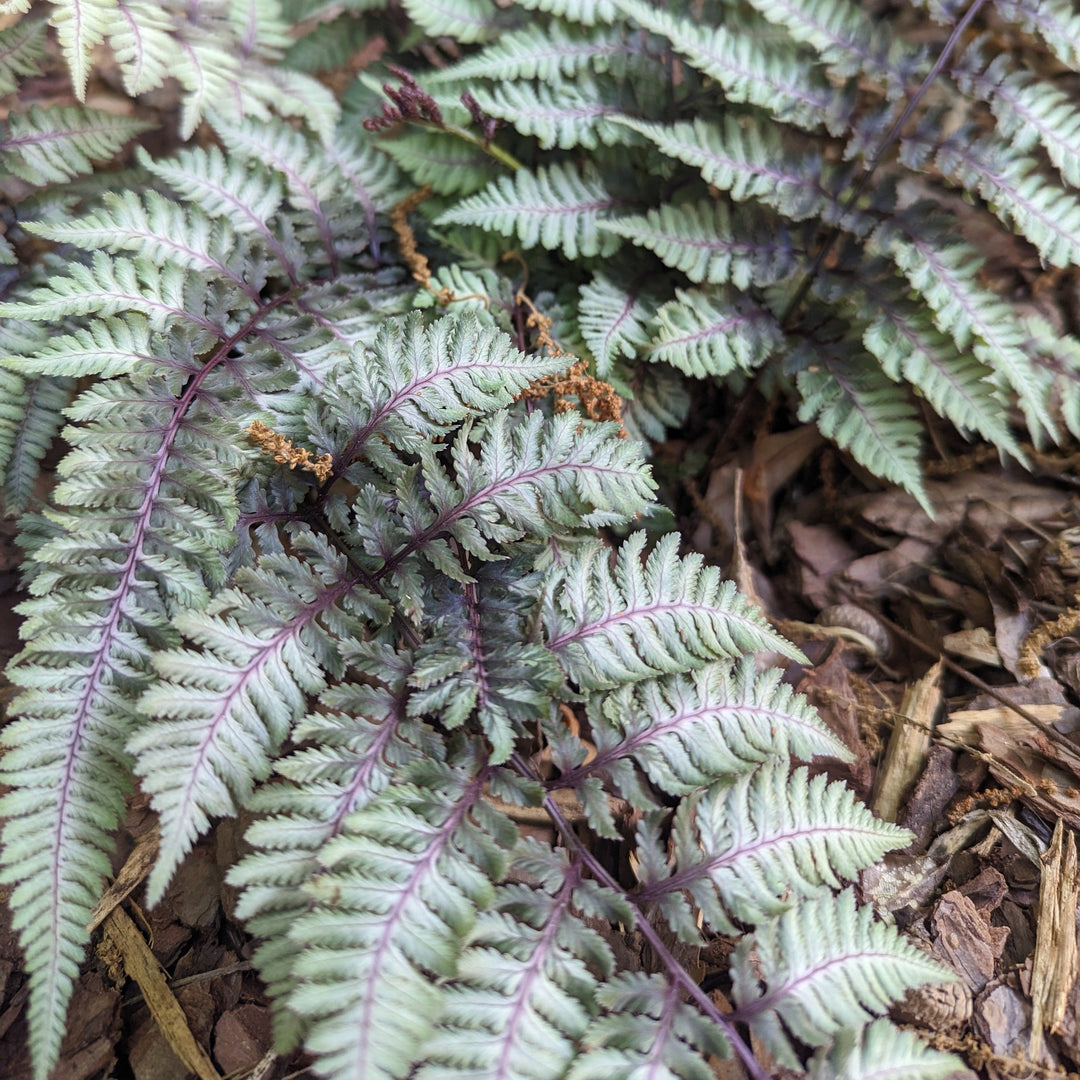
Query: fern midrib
{"type": "Point", "coordinates": [795, 16]}
{"type": "Point", "coordinates": [534, 969]}
{"type": "Point", "coordinates": [81, 719]}
{"type": "Point", "coordinates": [767, 840]}
{"type": "Point", "coordinates": [653, 1062]}
{"type": "Point", "coordinates": [466, 800]}
{"type": "Point", "coordinates": [746, 1012]}
{"type": "Point", "coordinates": [44, 138]}
{"type": "Point", "coordinates": [613, 332]}
{"type": "Point", "coordinates": [360, 782]}
{"type": "Point", "coordinates": [723, 62]}
{"type": "Point", "coordinates": [629, 614]}
{"type": "Point", "coordinates": [726, 325]}
{"type": "Point", "coordinates": [655, 732]}
{"type": "Point", "coordinates": [413, 389]}
{"type": "Point", "coordinates": [253, 667]}
{"type": "Point", "coordinates": [196, 256]}
{"type": "Point", "coordinates": [446, 518]}
{"type": "Point", "coordinates": [476, 644]}
{"type": "Point", "coordinates": [314, 205]}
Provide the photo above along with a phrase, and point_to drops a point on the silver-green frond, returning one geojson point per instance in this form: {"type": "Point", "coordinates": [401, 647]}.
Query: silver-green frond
{"type": "Point", "coordinates": [557, 207]}
{"type": "Point", "coordinates": [611, 625]}
{"type": "Point", "coordinates": [823, 966]}
{"type": "Point", "coordinates": [881, 1051]}
{"type": "Point", "coordinates": [395, 900]}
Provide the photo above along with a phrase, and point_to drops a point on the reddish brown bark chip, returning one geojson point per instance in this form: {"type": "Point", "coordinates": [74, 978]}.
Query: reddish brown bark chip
{"type": "Point", "coordinates": [242, 1036]}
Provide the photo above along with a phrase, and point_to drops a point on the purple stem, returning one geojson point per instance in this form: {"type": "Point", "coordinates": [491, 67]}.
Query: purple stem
{"type": "Point", "coordinates": [677, 971]}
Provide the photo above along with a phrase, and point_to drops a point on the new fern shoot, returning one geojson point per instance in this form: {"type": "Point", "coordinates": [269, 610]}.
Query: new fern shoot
{"type": "Point", "coordinates": [336, 536]}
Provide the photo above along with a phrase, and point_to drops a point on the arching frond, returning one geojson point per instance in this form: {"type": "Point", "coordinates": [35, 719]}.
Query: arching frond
{"type": "Point", "coordinates": [712, 242]}
{"type": "Point", "coordinates": [747, 162]}
{"type": "Point", "coordinates": [396, 897]}
{"type": "Point", "coordinates": [529, 975]}
{"type": "Point", "coordinates": [648, 1029]}
{"type": "Point", "coordinates": [557, 207]}
{"type": "Point", "coordinates": [945, 274]}
{"type": "Point", "coordinates": [702, 333]}
{"type": "Point", "coordinates": [745, 850]}
{"type": "Point", "coordinates": [614, 625]}
{"type": "Point", "coordinates": [49, 146]}
{"type": "Point", "coordinates": [766, 74]}
{"type": "Point", "coordinates": [880, 1052]}
{"type": "Point", "coordinates": [685, 732]}
{"type": "Point", "coordinates": [559, 113]}
{"type": "Point", "coordinates": [465, 20]}
{"type": "Point", "coordinates": [445, 162]}
{"type": "Point", "coordinates": [538, 51]}
{"type": "Point", "coordinates": [22, 47]}
{"type": "Point", "coordinates": [1028, 110]}
{"type": "Point", "coordinates": [857, 406]}
{"type": "Point", "coordinates": [816, 982]}
{"type": "Point", "coordinates": [612, 319]}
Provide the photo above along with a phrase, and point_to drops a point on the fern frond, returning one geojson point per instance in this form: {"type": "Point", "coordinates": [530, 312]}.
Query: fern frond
{"type": "Point", "coordinates": [846, 38]}
{"type": "Point", "coordinates": [750, 70]}
{"type": "Point", "coordinates": [655, 399]}
{"type": "Point", "coordinates": [138, 537]}
{"type": "Point", "coordinates": [746, 849]}
{"type": "Point", "coordinates": [221, 188]}
{"type": "Point", "coordinates": [110, 287]}
{"type": "Point", "coordinates": [143, 43]}
{"type": "Point", "coordinates": [748, 162]}
{"type": "Point", "coordinates": [445, 162]}
{"type": "Point", "coordinates": [266, 87]}
{"type": "Point", "coordinates": [557, 207]}
{"type": "Point", "coordinates": [880, 1052]}
{"type": "Point", "coordinates": [823, 966]}
{"type": "Point", "coordinates": [1028, 110]}
{"type": "Point", "coordinates": [415, 381]}
{"type": "Point", "coordinates": [562, 114]}
{"type": "Point", "coordinates": [359, 739]}
{"type": "Point", "coordinates": [466, 21]}
{"type": "Point", "coordinates": [483, 293]}
{"type": "Point", "coordinates": [219, 714]}
{"type": "Point", "coordinates": [586, 12]}
{"type": "Point", "coordinates": [80, 25]}
{"type": "Point", "coordinates": [50, 146]}
{"type": "Point", "coordinates": [1055, 21]}
{"type": "Point", "coordinates": [310, 179]}
{"type": "Point", "coordinates": [612, 320]}
{"type": "Point", "coordinates": [712, 242]}
{"type": "Point", "coordinates": [686, 731]}
{"type": "Point", "coordinates": [864, 412]}
{"type": "Point", "coordinates": [648, 1030]}
{"type": "Point", "coordinates": [1016, 189]}
{"type": "Point", "coordinates": [22, 47]}
{"type": "Point", "coordinates": [477, 663]}
{"type": "Point", "coordinates": [703, 334]}
{"type": "Point", "coordinates": [525, 986]}
{"type": "Point", "coordinates": [397, 897]}
{"type": "Point", "coordinates": [959, 387]}
{"type": "Point", "coordinates": [159, 230]}
{"type": "Point", "coordinates": [610, 626]}
{"type": "Point", "coordinates": [40, 419]}
{"type": "Point", "coordinates": [532, 478]}
{"type": "Point", "coordinates": [1056, 359]}
{"type": "Point", "coordinates": [944, 273]}
{"type": "Point", "coordinates": [542, 52]}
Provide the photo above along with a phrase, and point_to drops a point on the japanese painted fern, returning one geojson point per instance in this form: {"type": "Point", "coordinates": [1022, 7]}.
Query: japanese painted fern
{"type": "Point", "coordinates": [401, 629]}
{"type": "Point", "coordinates": [778, 192]}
